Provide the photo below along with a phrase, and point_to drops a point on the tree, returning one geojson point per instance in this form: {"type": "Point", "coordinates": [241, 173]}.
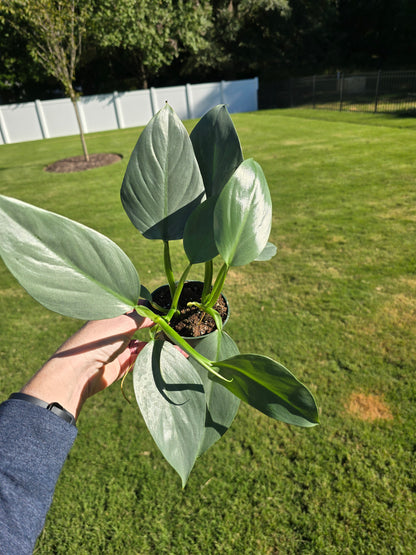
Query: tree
{"type": "Point", "coordinates": [54, 31]}
{"type": "Point", "coordinates": [239, 36]}
{"type": "Point", "coordinates": [151, 33]}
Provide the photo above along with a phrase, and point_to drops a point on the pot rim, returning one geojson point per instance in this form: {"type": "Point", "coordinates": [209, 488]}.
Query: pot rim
{"type": "Point", "coordinates": [186, 337]}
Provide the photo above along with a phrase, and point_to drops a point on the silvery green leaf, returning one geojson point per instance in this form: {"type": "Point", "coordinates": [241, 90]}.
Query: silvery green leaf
{"type": "Point", "coordinates": [171, 398]}
{"type": "Point", "coordinates": [243, 215]}
{"type": "Point", "coordinates": [217, 148]}
{"type": "Point", "coordinates": [162, 184]}
{"type": "Point", "coordinates": [67, 267]}
{"type": "Point", "coordinates": [270, 388]}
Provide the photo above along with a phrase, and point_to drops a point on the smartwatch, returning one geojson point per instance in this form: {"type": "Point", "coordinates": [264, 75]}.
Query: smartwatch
{"type": "Point", "coordinates": [56, 408]}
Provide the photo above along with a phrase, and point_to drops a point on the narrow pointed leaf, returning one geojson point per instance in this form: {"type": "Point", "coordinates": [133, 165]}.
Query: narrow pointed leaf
{"type": "Point", "coordinates": [243, 215]}
{"type": "Point", "coordinates": [217, 148]}
{"type": "Point", "coordinates": [198, 238]}
{"type": "Point", "coordinates": [67, 267]}
{"type": "Point", "coordinates": [162, 184]}
{"type": "Point", "coordinates": [269, 387]}
{"type": "Point", "coordinates": [221, 404]}
{"type": "Point", "coordinates": [171, 399]}
{"type": "Point", "coordinates": [267, 253]}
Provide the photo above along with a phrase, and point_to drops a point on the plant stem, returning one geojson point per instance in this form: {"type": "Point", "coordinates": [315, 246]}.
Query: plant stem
{"type": "Point", "coordinates": [218, 285]}
{"type": "Point", "coordinates": [209, 265]}
{"type": "Point", "coordinates": [178, 340]}
{"type": "Point", "coordinates": [178, 291]}
{"type": "Point", "coordinates": [168, 268]}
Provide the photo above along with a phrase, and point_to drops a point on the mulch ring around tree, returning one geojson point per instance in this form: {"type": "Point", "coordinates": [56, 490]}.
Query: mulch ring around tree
{"type": "Point", "coordinates": [79, 164]}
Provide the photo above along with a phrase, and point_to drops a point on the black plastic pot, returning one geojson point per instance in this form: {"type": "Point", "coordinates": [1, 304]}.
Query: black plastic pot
{"type": "Point", "coordinates": [189, 297]}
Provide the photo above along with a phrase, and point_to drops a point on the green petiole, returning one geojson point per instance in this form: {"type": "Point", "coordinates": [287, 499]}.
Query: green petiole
{"type": "Point", "coordinates": [178, 291]}
{"type": "Point", "coordinates": [207, 280]}
{"type": "Point", "coordinates": [168, 268]}
{"type": "Point", "coordinates": [218, 285]}
{"type": "Point", "coordinates": [178, 340]}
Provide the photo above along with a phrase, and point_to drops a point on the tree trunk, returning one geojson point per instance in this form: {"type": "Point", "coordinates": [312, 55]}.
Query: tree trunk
{"type": "Point", "coordinates": [81, 130]}
{"type": "Point", "coordinates": [143, 76]}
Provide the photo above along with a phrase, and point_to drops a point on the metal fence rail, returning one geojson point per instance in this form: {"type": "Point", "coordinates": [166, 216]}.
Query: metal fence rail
{"type": "Point", "coordinates": [382, 91]}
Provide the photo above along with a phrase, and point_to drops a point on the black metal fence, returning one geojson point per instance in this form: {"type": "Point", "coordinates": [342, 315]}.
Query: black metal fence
{"type": "Point", "coordinates": [382, 91]}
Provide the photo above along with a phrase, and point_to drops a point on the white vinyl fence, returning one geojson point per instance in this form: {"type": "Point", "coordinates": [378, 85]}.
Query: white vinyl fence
{"type": "Point", "coordinates": [56, 118]}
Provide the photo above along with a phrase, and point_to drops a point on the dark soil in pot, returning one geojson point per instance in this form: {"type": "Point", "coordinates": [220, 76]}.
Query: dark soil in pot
{"type": "Point", "coordinates": [191, 322]}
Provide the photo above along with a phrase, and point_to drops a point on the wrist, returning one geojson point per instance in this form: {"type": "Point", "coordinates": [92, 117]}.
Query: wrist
{"type": "Point", "coordinates": [55, 408]}
{"type": "Point", "coordinates": [58, 383]}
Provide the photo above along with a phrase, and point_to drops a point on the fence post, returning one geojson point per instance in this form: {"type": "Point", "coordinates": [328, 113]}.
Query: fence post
{"type": "Point", "coordinates": [314, 91]}
{"type": "Point", "coordinates": [189, 100]}
{"type": "Point", "coordinates": [377, 90]}
{"type": "Point", "coordinates": [153, 100]}
{"type": "Point", "coordinates": [118, 110]}
{"type": "Point", "coordinates": [222, 92]}
{"type": "Point", "coordinates": [291, 92]}
{"type": "Point", "coordinates": [42, 120]}
{"type": "Point", "coordinates": [341, 92]}
{"type": "Point", "coordinates": [3, 129]}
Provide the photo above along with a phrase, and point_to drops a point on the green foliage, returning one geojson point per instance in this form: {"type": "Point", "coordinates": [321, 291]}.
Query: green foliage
{"type": "Point", "coordinates": [243, 215]}
{"type": "Point", "coordinates": [77, 272]}
{"type": "Point", "coordinates": [54, 31]}
{"type": "Point", "coordinates": [338, 307]}
{"type": "Point", "coordinates": [162, 184]}
{"type": "Point", "coordinates": [217, 149]}
{"type": "Point", "coordinates": [69, 268]}
{"type": "Point", "coordinates": [152, 33]}
{"type": "Point", "coordinates": [171, 398]}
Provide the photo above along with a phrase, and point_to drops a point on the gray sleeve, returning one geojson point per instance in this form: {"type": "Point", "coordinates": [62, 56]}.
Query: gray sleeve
{"type": "Point", "coordinates": [34, 444]}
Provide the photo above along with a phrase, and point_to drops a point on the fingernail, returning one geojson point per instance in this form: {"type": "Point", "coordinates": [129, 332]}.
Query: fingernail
{"type": "Point", "coordinates": [135, 347]}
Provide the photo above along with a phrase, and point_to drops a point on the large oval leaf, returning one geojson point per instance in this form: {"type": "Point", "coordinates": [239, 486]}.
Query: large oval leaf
{"type": "Point", "coordinates": [217, 148]}
{"type": "Point", "coordinates": [198, 237]}
{"type": "Point", "coordinates": [67, 267]}
{"type": "Point", "coordinates": [162, 184]}
{"type": "Point", "coordinates": [221, 404]}
{"type": "Point", "coordinates": [171, 399]}
{"type": "Point", "coordinates": [269, 387]}
{"type": "Point", "coordinates": [243, 215]}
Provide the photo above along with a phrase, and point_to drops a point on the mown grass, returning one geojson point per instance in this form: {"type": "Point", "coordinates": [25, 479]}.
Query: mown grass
{"type": "Point", "coordinates": [336, 305]}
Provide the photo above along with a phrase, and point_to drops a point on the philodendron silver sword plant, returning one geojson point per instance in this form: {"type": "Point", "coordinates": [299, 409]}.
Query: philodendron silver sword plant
{"type": "Point", "coordinates": [200, 190]}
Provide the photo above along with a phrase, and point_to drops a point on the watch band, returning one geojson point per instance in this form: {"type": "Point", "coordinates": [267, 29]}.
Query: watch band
{"type": "Point", "coordinates": [56, 408]}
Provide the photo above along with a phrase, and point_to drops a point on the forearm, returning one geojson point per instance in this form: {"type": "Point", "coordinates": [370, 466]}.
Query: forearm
{"type": "Point", "coordinates": [34, 444]}
{"type": "Point", "coordinates": [60, 383]}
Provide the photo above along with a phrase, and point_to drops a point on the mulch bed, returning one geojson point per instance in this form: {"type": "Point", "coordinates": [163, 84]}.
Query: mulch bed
{"type": "Point", "coordinates": [79, 164]}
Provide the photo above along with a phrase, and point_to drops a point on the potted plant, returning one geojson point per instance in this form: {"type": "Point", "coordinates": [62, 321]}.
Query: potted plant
{"type": "Point", "coordinates": [200, 190]}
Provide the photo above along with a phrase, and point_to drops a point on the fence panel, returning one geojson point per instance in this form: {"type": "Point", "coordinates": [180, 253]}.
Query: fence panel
{"type": "Point", "coordinates": [60, 117]}
{"type": "Point", "coordinates": [135, 107]}
{"type": "Point", "coordinates": [387, 91]}
{"type": "Point", "coordinates": [99, 112]}
{"type": "Point", "coordinates": [240, 96]}
{"type": "Point", "coordinates": [56, 118]}
{"type": "Point", "coordinates": [204, 97]}
{"type": "Point", "coordinates": [175, 96]}
{"type": "Point", "coordinates": [20, 122]}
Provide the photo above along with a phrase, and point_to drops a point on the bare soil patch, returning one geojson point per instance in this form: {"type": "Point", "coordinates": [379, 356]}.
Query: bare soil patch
{"type": "Point", "coordinates": [368, 407]}
{"type": "Point", "coordinates": [79, 164]}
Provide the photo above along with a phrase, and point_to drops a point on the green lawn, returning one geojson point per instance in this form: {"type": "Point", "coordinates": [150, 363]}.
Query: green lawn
{"type": "Point", "coordinates": [337, 306]}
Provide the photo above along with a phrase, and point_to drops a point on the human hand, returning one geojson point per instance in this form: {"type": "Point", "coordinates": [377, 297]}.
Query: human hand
{"type": "Point", "coordinates": [90, 360]}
